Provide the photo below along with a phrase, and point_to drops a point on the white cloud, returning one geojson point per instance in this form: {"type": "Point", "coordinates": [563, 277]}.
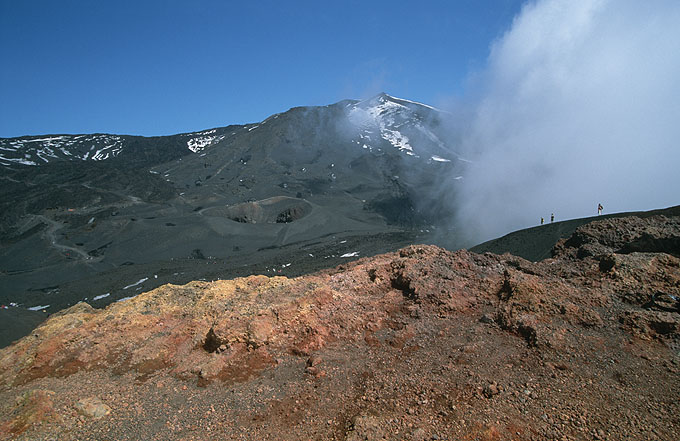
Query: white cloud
{"type": "Point", "coordinates": [580, 104]}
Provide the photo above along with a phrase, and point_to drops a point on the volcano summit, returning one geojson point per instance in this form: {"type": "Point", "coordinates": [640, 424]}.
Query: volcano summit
{"type": "Point", "coordinates": [102, 217]}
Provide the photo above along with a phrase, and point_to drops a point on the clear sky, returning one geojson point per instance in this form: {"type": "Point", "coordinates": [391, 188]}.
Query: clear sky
{"type": "Point", "coordinates": [156, 67]}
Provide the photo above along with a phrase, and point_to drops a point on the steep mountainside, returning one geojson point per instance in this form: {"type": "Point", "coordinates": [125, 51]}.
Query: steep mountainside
{"type": "Point", "coordinates": [88, 216]}
{"type": "Point", "coordinates": [418, 344]}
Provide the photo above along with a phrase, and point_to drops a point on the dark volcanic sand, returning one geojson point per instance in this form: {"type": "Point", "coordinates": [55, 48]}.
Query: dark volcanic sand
{"type": "Point", "coordinates": [290, 260]}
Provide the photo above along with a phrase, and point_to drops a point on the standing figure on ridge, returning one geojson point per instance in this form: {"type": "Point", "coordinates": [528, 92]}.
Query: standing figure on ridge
{"type": "Point", "coordinates": [552, 217]}
{"type": "Point", "coordinates": [599, 209]}
{"type": "Point", "coordinates": [541, 221]}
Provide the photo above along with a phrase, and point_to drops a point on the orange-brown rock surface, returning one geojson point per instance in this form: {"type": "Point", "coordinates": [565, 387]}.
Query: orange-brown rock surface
{"type": "Point", "coordinates": [418, 344]}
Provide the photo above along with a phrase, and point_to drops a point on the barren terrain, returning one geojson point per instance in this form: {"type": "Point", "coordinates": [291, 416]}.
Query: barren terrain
{"type": "Point", "coordinates": [418, 344]}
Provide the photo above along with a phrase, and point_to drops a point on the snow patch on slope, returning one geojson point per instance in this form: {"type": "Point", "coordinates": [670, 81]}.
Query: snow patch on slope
{"type": "Point", "coordinates": [403, 124]}
{"type": "Point", "coordinates": [439, 159]}
{"type": "Point", "coordinates": [381, 114]}
{"type": "Point", "coordinates": [140, 281]}
{"type": "Point", "coordinates": [397, 139]}
{"type": "Point", "coordinates": [26, 151]}
{"type": "Point", "coordinates": [201, 140]}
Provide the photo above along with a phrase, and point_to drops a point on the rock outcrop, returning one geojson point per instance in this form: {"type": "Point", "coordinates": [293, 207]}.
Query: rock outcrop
{"type": "Point", "coordinates": [418, 344]}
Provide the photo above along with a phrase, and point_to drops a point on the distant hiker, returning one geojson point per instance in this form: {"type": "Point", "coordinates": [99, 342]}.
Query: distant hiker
{"type": "Point", "coordinates": [541, 221]}
{"type": "Point", "coordinates": [599, 209]}
{"type": "Point", "coordinates": [552, 217]}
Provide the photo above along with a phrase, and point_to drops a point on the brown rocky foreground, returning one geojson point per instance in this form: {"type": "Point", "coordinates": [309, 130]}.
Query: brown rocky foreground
{"type": "Point", "coordinates": [419, 344]}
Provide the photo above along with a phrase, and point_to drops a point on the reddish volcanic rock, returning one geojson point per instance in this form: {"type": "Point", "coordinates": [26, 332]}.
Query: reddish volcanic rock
{"type": "Point", "coordinates": [418, 344]}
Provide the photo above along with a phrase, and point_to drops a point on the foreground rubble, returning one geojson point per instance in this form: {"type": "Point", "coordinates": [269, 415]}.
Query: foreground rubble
{"type": "Point", "coordinates": [418, 344]}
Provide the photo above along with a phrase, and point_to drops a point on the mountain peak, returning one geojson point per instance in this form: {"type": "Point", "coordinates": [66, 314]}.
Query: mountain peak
{"type": "Point", "coordinates": [381, 98]}
{"type": "Point", "coordinates": [384, 97]}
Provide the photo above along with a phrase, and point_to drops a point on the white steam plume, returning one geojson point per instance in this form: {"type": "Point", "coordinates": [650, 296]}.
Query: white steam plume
{"type": "Point", "coordinates": [580, 105]}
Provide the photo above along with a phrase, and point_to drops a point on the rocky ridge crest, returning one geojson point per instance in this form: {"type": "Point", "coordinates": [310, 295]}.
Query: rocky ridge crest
{"type": "Point", "coordinates": [418, 344]}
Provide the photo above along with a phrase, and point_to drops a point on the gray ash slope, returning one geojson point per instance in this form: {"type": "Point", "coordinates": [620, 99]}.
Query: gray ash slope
{"type": "Point", "coordinates": [106, 216]}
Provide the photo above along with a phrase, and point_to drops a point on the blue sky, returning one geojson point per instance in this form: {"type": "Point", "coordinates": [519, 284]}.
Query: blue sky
{"type": "Point", "coordinates": [162, 67]}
